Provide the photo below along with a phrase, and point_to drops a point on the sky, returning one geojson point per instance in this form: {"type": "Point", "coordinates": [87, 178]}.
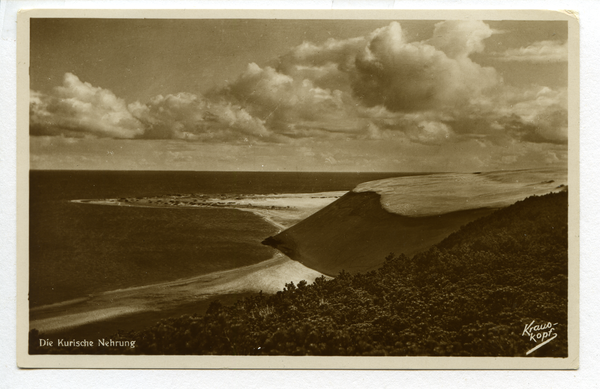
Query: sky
{"type": "Point", "coordinates": [297, 95]}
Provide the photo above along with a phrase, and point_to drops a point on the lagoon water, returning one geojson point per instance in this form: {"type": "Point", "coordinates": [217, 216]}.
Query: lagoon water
{"type": "Point", "coordinates": [95, 262]}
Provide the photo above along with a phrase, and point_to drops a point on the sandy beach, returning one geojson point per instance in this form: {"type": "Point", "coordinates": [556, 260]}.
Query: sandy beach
{"type": "Point", "coordinates": [268, 276]}
{"type": "Point", "coordinates": [280, 210]}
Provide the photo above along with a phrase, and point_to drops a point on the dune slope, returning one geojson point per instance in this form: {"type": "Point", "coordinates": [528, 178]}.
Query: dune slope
{"type": "Point", "coordinates": [404, 215]}
{"type": "Point", "coordinates": [355, 234]}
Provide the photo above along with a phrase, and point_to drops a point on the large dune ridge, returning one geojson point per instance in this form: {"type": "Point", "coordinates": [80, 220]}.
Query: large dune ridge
{"type": "Point", "coordinates": [437, 194]}
{"type": "Point", "coordinates": [404, 215]}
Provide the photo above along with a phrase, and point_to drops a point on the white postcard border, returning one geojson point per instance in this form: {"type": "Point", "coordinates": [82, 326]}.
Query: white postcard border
{"type": "Point", "coordinates": [246, 362]}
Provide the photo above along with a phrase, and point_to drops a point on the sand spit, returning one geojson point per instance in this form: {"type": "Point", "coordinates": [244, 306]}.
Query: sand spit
{"type": "Point", "coordinates": [268, 276]}
{"type": "Point", "coordinates": [280, 210]}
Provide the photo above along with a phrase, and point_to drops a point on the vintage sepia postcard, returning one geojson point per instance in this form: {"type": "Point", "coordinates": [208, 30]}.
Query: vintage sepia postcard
{"type": "Point", "coordinates": [298, 189]}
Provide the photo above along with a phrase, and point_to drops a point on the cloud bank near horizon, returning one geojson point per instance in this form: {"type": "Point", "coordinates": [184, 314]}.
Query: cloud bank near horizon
{"type": "Point", "coordinates": [537, 52]}
{"type": "Point", "coordinates": [381, 86]}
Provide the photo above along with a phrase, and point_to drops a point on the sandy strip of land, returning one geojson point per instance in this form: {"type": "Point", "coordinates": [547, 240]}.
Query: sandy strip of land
{"type": "Point", "coordinates": [268, 276]}
{"type": "Point", "coordinates": [280, 210]}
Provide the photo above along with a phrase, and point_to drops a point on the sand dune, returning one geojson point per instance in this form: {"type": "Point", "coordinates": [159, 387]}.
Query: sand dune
{"type": "Point", "coordinates": [355, 234]}
{"type": "Point", "coordinates": [438, 194]}
{"type": "Point", "coordinates": [404, 215]}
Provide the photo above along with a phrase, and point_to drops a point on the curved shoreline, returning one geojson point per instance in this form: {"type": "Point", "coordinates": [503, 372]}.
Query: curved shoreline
{"type": "Point", "coordinates": [267, 276]}
{"type": "Point", "coordinates": [270, 276]}
{"type": "Point", "coordinates": [280, 210]}
{"type": "Point", "coordinates": [257, 212]}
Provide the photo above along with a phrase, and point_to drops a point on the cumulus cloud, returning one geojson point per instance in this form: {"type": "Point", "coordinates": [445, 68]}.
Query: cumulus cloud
{"type": "Point", "coordinates": [292, 106]}
{"type": "Point", "coordinates": [191, 117]}
{"type": "Point", "coordinates": [536, 114]}
{"type": "Point", "coordinates": [415, 76]}
{"type": "Point", "coordinates": [460, 38]}
{"type": "Point", "coordinates": [543, 116]}
{"type": "Point", "coordinates": [538, 52]}
{"type": "Point", "coordinates": [328, 65]}
{"type": "Point", "coordinates": [328, 90]}
{"type": "Point", "coordinates": [429, 133]}
{"type": "Point", "coordinates": [382, 86]}
{"type": "Point", "coordinates": [78, 109]}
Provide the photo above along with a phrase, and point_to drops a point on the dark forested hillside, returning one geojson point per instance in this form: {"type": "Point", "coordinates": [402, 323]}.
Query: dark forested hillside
{"type": "Point", "coordinates": [470, 295]}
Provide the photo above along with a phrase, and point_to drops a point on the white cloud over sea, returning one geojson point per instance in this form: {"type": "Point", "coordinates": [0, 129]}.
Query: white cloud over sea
{"type": "Point", "coordinates": [381, 87]}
